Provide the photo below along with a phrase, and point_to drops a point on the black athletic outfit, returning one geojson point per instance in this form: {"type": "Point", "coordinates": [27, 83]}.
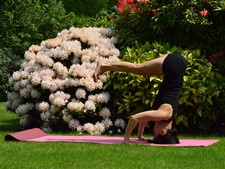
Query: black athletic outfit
{"type": "Point", "coordinates": [174, 67]}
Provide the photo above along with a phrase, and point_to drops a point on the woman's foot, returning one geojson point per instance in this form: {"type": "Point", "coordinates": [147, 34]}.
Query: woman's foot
{"type": "Point", "coordinates": [98, 71]}
{"type": "Point", "coordinates": [143, 139]}
{"type": "Point", "coordinates": [127, 141]}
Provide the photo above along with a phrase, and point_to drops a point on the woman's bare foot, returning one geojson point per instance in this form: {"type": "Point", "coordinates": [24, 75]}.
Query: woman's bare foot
{"type": "Point", "coordinates": [127, 141]}
{"type": "Point", "coordinates": [95, 74]}
{"type": "Point", "coordinates": [143, 139]}
{"type": "Point", "coordinates": [97, 71]}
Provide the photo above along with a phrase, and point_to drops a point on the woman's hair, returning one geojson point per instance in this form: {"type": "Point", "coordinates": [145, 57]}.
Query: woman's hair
{"type": "Point", "coordinates": [169, 138]}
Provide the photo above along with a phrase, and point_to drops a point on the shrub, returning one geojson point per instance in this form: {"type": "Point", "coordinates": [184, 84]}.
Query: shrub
{"type": "Point", "coordinates": [8, 64]}
{"type": "Point", "coordinates": [85, 7]}
{"type": "Point", "coordinates": [188, 24]}
{"type": "Point", "coordinates": [54, 88]}
{"type": "Point", "coordinates": [29, 22]}
{"type": "Point", "coordinates": [218, 60]}
{"type": "Point", "coordinates": [201, 90]}
{"type": "Point", "coordinates": [104, 19]}
{"type": "Point", "coordinates": [112, 3]}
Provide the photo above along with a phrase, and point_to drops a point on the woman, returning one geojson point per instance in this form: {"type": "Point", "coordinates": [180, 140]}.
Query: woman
{"type": "Point", "coordinates": [165, 106]}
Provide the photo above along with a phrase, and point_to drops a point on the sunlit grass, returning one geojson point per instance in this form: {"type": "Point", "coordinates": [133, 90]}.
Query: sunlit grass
{"type": "Point", "coordinates": [32, 155]}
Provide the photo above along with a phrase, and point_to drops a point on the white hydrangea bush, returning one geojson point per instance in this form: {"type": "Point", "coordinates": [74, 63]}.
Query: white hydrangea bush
{"type": "Point", "coordinates": [54, 85]}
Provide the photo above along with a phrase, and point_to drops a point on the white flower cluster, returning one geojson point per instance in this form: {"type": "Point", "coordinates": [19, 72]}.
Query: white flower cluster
{"type": "Point", "coordinates": [55, 80]}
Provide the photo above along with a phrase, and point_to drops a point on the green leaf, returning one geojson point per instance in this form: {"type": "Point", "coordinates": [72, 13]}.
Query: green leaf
{"type": "Point", "coordinates": [199, 111]}
{"type": "Point", "coordinates": [139, 93]}
{"type": "Point", "coordinates": [137, 99]}
{"type": "Point", "coordinates": [147, 101]}
{"type": "Point", "coordinates": [202, 89]}
{"type": "Point", "coordinates": [209, 100]}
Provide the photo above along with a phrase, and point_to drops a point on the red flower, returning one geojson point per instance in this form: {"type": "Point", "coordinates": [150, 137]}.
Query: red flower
{"type": "Point", "coordinates": [122, 4]}
{"type": "Point", "coordinates": [154, 11]}
{"type": "Point", "coordinates": [213, 59]}
{"type": "Point", "coordinates": [111, 17]}
{"type": "Point", "coordinates": [120, 1]}
{"type": "Point", "coordinates": [134, 7]}
{"type": "Point", "coordinates": [204, 13]}
{"type": "Point", "coordinates": [144, 12]}
{"type": "Point", "coordinates": [120, 8]}
{"type": "Point", "coordinates": [216, 56]}
{"type": "Point", "coordinates": [125, 1]}
{"type": "Point", "coordinates": [129, 1]}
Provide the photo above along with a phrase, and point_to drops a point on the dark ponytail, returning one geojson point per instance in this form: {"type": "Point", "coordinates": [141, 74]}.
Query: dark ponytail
{"type": "Point", "coordinates": [169, 138]}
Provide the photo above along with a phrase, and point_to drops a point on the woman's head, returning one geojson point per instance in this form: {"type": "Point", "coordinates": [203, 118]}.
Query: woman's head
{"type": "Point", "coordinates": [164, 134]}
{"type": "Point", "coordinates": [169, 138]}
{"type": "Point", "coordinates": [161, 128]}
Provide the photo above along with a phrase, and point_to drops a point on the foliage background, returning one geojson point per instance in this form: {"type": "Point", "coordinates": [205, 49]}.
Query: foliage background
{"type": "Point", "coordinates": [203, 86]}
{"type": "Point", "coordinates": [8, 63]}
{"type": "Point", "coordinates": [173, 22]}
{"type": "Point", "coordinates": [189, 24]}
{"type": "Point", "coordinates": [87, 7]}
{"type": "Point", "coordinates": [29, 22]}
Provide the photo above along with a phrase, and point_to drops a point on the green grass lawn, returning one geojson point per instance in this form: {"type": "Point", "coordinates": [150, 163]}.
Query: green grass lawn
{"type": "Point", "coordinates": [22, 155]}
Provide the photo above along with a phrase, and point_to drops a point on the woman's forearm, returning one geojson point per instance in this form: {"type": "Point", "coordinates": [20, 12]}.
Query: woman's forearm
{"type": "Point", "coordinates": [141, 128]}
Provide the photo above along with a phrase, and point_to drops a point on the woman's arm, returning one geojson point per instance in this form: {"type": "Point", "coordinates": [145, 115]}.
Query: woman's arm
{"type": "Point", "coordinates": [141, 128]}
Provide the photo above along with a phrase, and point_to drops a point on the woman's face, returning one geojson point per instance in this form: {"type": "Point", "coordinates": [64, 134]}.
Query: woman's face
{"type": "Point", "coordinates": [161, 128]}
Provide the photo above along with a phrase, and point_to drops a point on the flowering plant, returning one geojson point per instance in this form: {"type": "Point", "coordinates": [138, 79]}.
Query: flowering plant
{"type": "Point", "coordinates": [54, 84]}
{"type": "Point", "coordinates": [132, 18]}
{"type": "Point", "coordinates": [181, 23]}
{"type": "Point", "coordinates": [218, 60]}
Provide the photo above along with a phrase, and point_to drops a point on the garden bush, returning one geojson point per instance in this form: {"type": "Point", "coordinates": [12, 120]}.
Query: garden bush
{"type": "Point", "coordinates": [112, 3]}
{"type": "Point", "coordinates": [196, 29]}
{"type": "Point", "coordinates": [85, 7]}
{"type": "Point", "coordinates": [218, 61]}
{"type": "Point", "coordinates": [24, 23]}
{"type": "Point", "coordinates": [188, 24]}
{"type": "Point", "coordinates": [54, 88]}
{"type": "Point", "coordinates": [203, 86]}
{"type": "Point", "coordinates": [8, 64]}
{"type": "Point", "coordinates": [104, 19]}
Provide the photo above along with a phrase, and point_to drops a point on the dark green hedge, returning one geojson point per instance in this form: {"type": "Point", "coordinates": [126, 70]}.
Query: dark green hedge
{"type": "Point", "coordinates": [24, 23]}
{"type": "Point", "coordinates": [87, 7]}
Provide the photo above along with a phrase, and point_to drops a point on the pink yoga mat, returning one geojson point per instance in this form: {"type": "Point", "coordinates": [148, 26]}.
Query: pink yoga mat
{"type": "Point", "coordinates": [37, 135]}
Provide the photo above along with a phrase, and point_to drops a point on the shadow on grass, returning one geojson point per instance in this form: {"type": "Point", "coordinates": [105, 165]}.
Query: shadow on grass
{"type": "Point", "coordinates": [11, 125]}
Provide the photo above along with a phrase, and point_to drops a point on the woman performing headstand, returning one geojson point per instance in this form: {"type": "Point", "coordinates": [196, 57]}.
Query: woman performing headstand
{"type": "Point", "coordinates": [172, 67]}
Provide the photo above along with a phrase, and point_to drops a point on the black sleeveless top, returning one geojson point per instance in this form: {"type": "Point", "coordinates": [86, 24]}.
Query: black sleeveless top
{"type": "Point", "coordinates": [174, 67]}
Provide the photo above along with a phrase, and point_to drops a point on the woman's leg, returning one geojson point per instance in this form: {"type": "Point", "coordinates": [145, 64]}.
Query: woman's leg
{"type": "Point", "coordinates": [149, 68]}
